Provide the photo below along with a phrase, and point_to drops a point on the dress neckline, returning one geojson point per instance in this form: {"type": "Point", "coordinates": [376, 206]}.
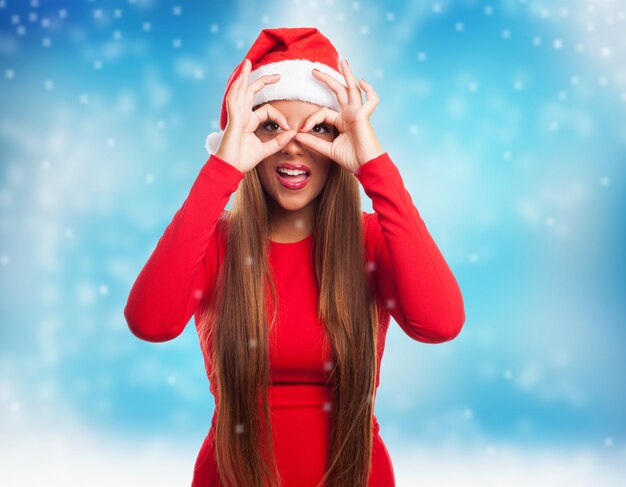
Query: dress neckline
{"type": "Point", "coordinates": [287, 244]}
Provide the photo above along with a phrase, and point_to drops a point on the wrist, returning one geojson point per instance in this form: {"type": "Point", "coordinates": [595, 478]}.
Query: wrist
{"type": "Point", "coordinates": [369, 154]}
{"type": "Point", "coordinates": [228, 160]}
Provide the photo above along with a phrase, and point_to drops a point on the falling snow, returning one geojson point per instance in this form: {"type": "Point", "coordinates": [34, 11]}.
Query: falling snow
{"type": "Point", "coordinates": [507, 121]}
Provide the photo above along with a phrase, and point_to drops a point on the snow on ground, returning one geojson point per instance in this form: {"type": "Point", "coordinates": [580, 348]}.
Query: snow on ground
{"type": "Point", "coordinates": [74, 456]}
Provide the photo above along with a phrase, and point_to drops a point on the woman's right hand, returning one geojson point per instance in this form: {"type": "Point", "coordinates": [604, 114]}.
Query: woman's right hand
{"type": "Point", "coordinates": [240, 146]}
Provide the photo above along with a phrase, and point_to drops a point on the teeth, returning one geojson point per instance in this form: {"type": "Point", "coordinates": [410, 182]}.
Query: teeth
{"type": "Point", "coordinates": [291, 172]}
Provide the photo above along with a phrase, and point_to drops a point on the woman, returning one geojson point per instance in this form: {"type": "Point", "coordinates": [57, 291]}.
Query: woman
{"type": "Point", "coordinates": [293, 288]}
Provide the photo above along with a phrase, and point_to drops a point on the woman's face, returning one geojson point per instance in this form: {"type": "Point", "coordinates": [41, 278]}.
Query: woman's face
{"type": "Point", "coordinates": [296, 112]}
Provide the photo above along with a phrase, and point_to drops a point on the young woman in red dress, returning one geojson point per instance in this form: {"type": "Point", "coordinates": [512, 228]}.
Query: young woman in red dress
{"type": "Point", "coordinates": [292, 289]}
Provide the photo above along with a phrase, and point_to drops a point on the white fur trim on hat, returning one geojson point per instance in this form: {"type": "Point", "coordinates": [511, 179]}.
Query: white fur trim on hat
{"type": "Point", "coordinates": [296, 83]}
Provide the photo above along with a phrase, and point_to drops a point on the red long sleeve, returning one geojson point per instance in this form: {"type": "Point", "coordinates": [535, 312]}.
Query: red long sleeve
{"type": "Point", "coordinates": [170, 286]}
{"type": "Point", "coordinates": [411, 275]}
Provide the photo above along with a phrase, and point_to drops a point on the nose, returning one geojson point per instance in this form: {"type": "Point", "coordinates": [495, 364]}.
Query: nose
{"type": "Point", "coordinates": [293, 147]}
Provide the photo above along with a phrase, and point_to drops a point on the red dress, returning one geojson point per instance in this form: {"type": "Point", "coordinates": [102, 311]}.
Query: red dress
{"type": "Point", "coordinates": [413, 284]}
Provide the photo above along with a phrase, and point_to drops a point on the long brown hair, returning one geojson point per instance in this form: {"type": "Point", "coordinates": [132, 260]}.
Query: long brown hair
{"type": "Point", "coordinates": [234, 331]}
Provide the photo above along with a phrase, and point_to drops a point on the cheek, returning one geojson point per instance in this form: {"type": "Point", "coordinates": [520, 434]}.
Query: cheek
{"type": "Point", "coordinates": [265, 174]}
{"type": "Point", "coordinates": [321, 176]}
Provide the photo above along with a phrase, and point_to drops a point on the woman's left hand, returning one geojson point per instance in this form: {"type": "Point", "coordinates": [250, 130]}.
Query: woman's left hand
{"type": "Point", "coordinates": [357, 143]}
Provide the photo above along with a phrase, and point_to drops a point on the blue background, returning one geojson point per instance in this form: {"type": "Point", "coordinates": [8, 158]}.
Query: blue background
{"type": "Point", "coordinates": [508, 123]}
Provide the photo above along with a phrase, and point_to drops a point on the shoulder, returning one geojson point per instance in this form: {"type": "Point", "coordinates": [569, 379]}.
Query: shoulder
{"type": "Point", "coordinates": [367, 219]}
{"type": "Point", "coordinates": [370, 234]}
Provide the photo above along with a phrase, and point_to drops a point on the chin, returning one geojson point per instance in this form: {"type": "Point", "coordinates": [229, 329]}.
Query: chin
{"type": "Point", "coordinates": [293, 202]}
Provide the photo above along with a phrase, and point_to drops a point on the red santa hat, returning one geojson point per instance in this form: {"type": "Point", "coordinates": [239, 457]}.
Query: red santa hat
{"type": "Point", "coordinates": [292, 52]}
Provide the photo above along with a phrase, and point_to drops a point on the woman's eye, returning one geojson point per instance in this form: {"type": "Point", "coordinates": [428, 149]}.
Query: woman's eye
{"type": "Point", "coordinates": [326, 128]}
{"type": "Point", "coordinates": [270, 122]}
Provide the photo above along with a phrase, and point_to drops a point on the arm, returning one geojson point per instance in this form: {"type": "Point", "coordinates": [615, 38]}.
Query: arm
{"type": "Point", "coordinates": [412, 277]}
{"type": "Point", "coordinates": [169, 287]}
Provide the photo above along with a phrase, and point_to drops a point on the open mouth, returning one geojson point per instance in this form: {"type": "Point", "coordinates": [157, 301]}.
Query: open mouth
{"type": "Point", "coordinates": [293, 179]}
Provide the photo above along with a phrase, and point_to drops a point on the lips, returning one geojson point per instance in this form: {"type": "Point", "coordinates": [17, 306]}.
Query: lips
{"type": "Point", "coordinates": [293, 182]}
{"type": "Point", "coordinates": [289, 165]}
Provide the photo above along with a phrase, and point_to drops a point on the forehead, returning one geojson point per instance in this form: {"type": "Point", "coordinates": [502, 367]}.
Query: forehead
{"type": "Point", "coordinates": [293, 107]}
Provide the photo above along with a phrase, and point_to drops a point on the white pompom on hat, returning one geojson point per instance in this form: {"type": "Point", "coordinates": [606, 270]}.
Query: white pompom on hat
{"type": "Point", "coordinates": [292, 52]}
